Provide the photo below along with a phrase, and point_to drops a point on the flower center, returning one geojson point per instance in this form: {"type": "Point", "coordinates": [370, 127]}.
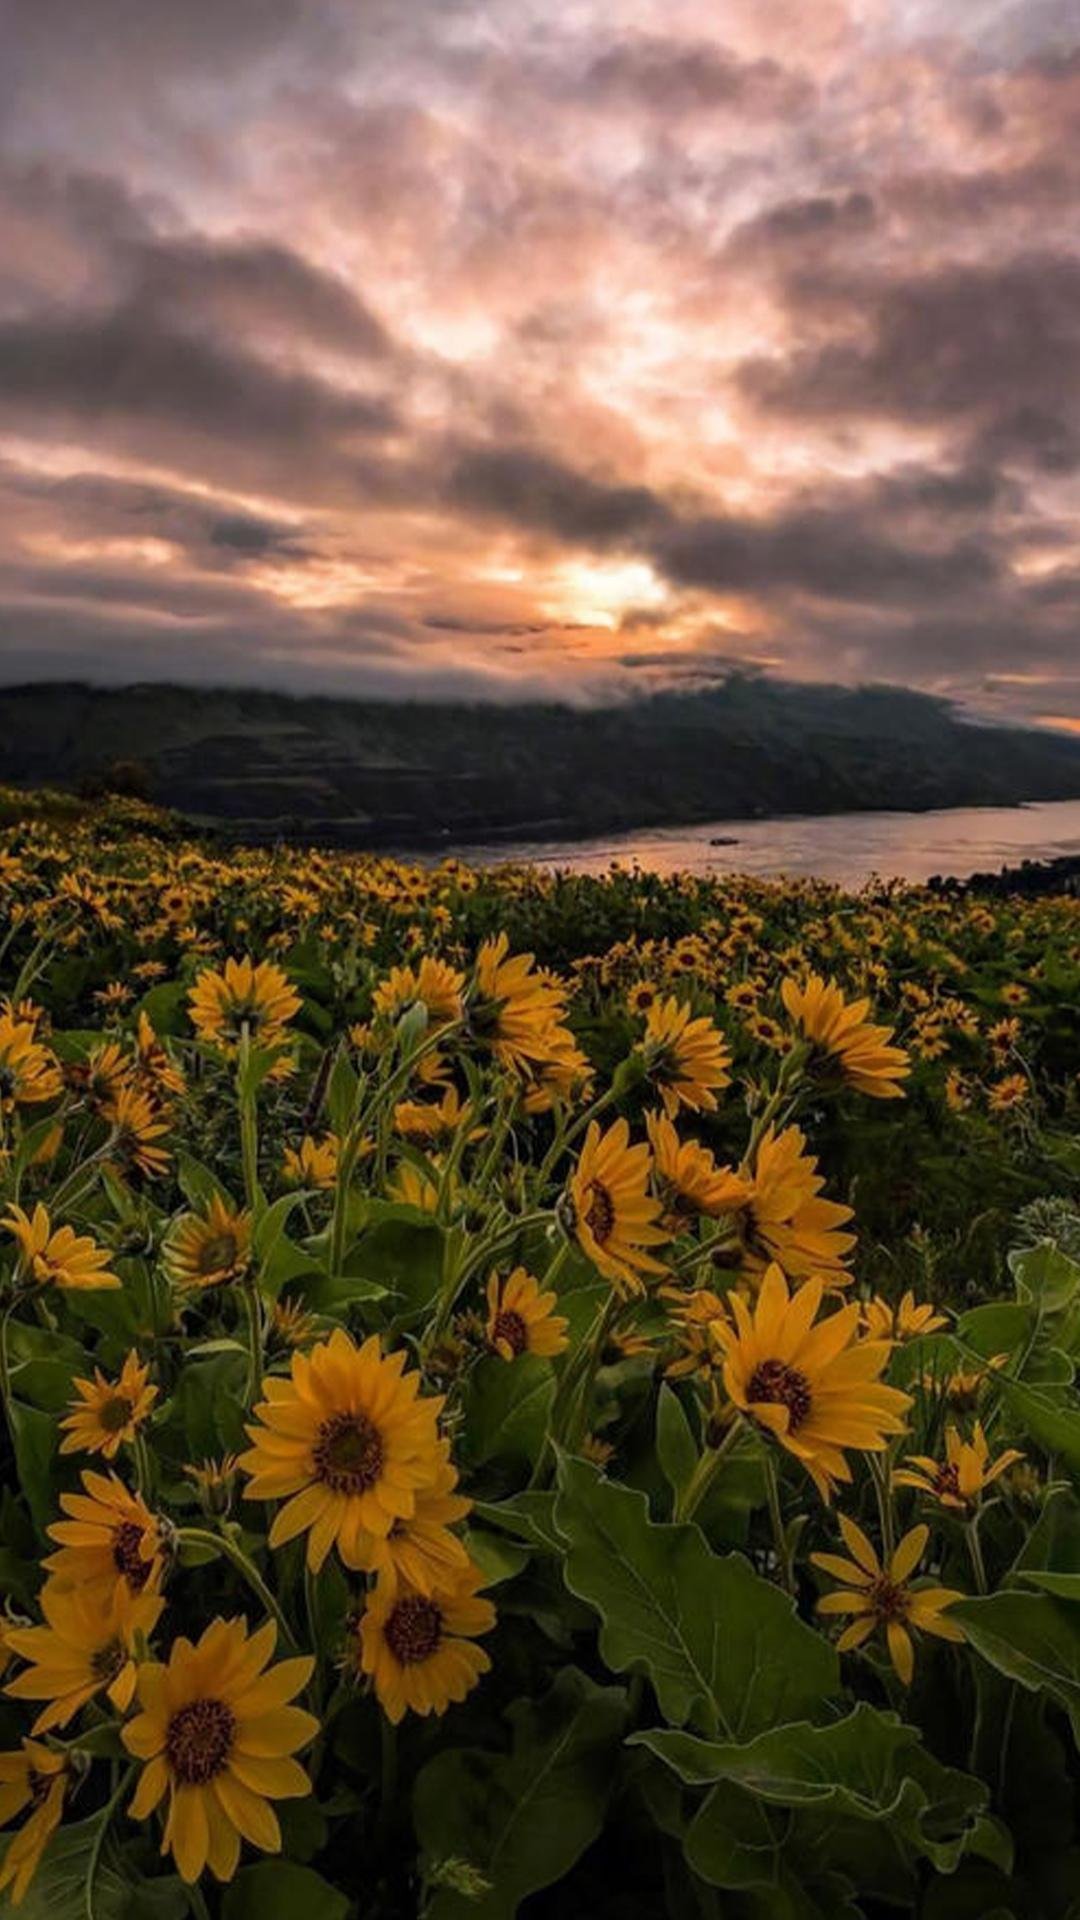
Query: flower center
{"type": "Point", "coordinates": [106, 1663]}
{"type": "Point", "coordinates": [218, 1254]}
{"type": "Point", "coordinates": [413, 1630]}
{"type": "Point", "coordinates": [890, 1602]}
{"type": "Point", "coordinates": [198, 1741]}
{"type": "Point", "coordinates": [349, 1453]}
{"type": "Point", "coordinates": [780, 1385]}
{"type": "Point", "coordinates": [600, 1212]}
{"type": "Point", "coordinates": [114, 1413]}
{"type": "Point", "coordinates": [127, 1554]}
{"type": "Point", "coordinates": [947, 1480]}
{"type": "Point", "coordinates": [510, 1327]}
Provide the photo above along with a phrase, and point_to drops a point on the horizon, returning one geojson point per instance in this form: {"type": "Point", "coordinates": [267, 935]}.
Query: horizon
{"type": "Point", "coordinates": [462, 353]}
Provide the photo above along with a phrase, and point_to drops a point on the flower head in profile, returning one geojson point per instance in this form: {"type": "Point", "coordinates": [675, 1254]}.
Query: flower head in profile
{"type": "Point", "coordinates": [517, 1011]}
{"type": "Point", "coordinates": [860, 1054]}
{"type": "Point", "coordinates": [419, 1648]}
{"type": "Point", "coordinates": [154, 1066]}
{"type": "Point", "coordinates": [108, 1535]}
{"type": "Point", "coordinates": [522, 1318]}
{"type": "Point", "coordinates": [812, 1384]}
{"type": "Point", "coordinates": [209, 1249]}
{"type": "Point", "coordinates": [784, 1217]}
{"type": "Point", "coordinates": [139, 1127]}
{"type": "Point", "coordinates": [314, 1163]}
{"type": "Point", "coordinates": [29, 1072]}
{"type": "Point", "coordinates": [216, 1733]}
{"type": "Point", "coordinates": [258, 999]}
{"type": "Point", "coordinates": [432, 984]}
{"type": "Point", "coordinates": [35, 1778]}
{"type": "Point", "coordinates": [907, 1319]}
{"type": "Point", "coordinates": [56, 1257]}
{"type": "Point", "coordinates": [961, 1479]}
{"type": "Point", "coordinates": [346, 1441]}
{"type": "Point", "coordinates": [881, 1599]}
{"type": "Point", "coordinates": [610, 1210]}
{"type": "Point", "coordinates": [108, 1413]}
{"type": "Point", "coordinates": [686, 1178]}
{"type": "Point", "coordinates": [85, 1647]}
{"type": "Point", "coordinates": [686, 1058]}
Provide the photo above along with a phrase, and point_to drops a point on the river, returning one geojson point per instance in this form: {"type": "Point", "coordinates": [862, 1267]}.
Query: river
{"type": "Point", "coordinates": [844, 847]}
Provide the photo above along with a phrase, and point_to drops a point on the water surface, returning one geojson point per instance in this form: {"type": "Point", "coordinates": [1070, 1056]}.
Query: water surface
{"type": "Point", "coordinates": [845, 847]}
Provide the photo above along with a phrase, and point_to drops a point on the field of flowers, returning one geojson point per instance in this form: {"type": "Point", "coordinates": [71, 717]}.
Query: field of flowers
{"type": "Point", "coordinates": [528, 1394]}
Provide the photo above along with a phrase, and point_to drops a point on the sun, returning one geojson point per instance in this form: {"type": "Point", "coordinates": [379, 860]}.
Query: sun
{"type": "Point", "coordinates": [599, 593]}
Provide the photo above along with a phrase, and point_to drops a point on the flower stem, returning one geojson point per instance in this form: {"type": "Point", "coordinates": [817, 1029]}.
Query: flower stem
{"type": "Point", "coordinates": [978, 1564]}
{"type": "Point", "coordinates": [253, 1316]}
{"type": "Point", "coordinates": [203, 1537]}
{"type": "Point", "coordinates": [772, 1486]}
{"type": "Point", "coordinates": [704, 1474]}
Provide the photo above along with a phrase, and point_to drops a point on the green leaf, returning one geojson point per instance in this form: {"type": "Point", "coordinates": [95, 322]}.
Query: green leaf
{"type": "Point", "coordinates": [1033, 1638]}
{"type": "Point", "coordinates": [341, 1091]}
{"type": "Point", "coordinates": [1000, 1327]}
{"type": "Point", "coordinates": [720, 1645]}
{"type": "Point", "coordinates": [207, 1404]}
{"type": "Point", "coordinates": [1053, 1544]}
{"type": "Point", "coordinates": [522, 1818]}
{"type": "Point", "coordinates": [43, 1364]}
{"type": "Point", "coordinates": [676, 1448]}
{"type": "Point", "coordinates": [507, 1408]}
{"type": "Point", "coordinates": [34, 1436]}
{"type": "Point", "coordinates": [69, 1869]}
{"type": "Point", "coordinates": [1045, 1275]}
{"type": "Point", "coordinates": [197, 1183]}
{"type": "Point", "coordinates": [402, 1250]}
{"type": "Point", "coordinates": [529, 1516]}
{"type": "Point", "coordinates": [1047, 1417]}
{"type": "Point", "coordinates": [267, 1238]}
{"type": "Point", "coordinates": [282, 1890]}
{"type": "Point", "coordinates": [498, 1559]}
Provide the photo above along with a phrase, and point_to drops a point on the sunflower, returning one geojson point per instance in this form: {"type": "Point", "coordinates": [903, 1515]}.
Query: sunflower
{"type": "Point", "coordinates": [213, 1481]}
{"type": "Point", "coordinates": [243, 997]}
{"type": "Point", "coordinates": [86, 1646]}
{"type": "Point", "coordinates": [209, 1249]}
{"type": "Point", "coordinates": [108, 1414]}
{"type": "Point", "coordinates": [961, 1479]}
{"type": "Point", "coordinates": [784, 1218]}
{"type": "Point", "coordinates": [432, 1120]}
{"type": "Point", "coordinates": [418, 1647]}
{"type": "Point", "coordinates": [216, 1732]}
{"type": "Point", "coordinates": [881, 1320]}
{"type": "Point", "coordinates": [522, 1318]}
{"type": "Point", "coordinates": [313, 1164]}
{"type": "Point", "coordinates": [153, 1063]}
{"type": "Point", "coordinates": [138, 1126]}
{"type": "Point", "coordinates": [517, 1011]}
{"type": "Point", "coordinates": [109, 1536]}
{"type": "Point", "coordinates": [411, 1188]}
{"type": "Point", "coordinates": [58, 1258]}
{"type": "Point", "coordinates": [421, 1552]}
{"type": "Point", "coordinates": [565, 1076]}
{"type": "Point", "coordinates": [433, 984]}
{"type": "Point", "coordinates": [29, 1073]}
{"type": "Point", "coordinates": [687, 1178]}
{"type": "Point", "coordinates": [641, 996]}
{"type": "Point", "coordinates": [1012, 1091]}
{"type": "Point", "coordinates": [37, 1778]}
{"type": "Point", "coordinates": [609, 1210]}
{"type": "Point", "coordinates": [881, 1599]}
{"type": "Point", "coordinates": [815, 1388]}
{"type": "Point", "coordinates": [840, 1036]}
{"type": "Point", "coordinates": [347, 1442]}
{"type": "Point", "coordinates": [685, 1058]}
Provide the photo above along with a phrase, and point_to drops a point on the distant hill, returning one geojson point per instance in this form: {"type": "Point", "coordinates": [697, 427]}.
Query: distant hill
{"type": "Point", "coordinates": [367, 773]}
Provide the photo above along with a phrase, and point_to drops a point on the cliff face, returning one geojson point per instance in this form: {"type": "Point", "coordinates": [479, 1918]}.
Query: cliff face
{"type": "Point", "coordinates": [368, 773]}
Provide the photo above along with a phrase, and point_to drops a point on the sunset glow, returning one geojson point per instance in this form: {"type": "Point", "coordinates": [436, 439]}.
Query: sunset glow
{"type": "Point", "coordinates": [501, 350]}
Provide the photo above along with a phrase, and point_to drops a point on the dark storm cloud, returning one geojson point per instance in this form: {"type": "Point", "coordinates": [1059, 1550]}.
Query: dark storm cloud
{"type": "Point", "coordinates": [536, 491]}
{"type": "Point", "coordinates": [663, 77]}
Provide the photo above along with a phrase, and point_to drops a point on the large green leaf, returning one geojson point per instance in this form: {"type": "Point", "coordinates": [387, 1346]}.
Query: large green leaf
{"type": "Point", "coordinates": [1047, 1416]}
{"type": "Point", "coordinates": [1045, 1275]}
{"type": "Point", "coordinates": [522, 1818]}
{"type": "Point", "coordinates": [282, 1890]}
{"type": "Point", "coordinates": [676, 1448]}
{"type": "Point", "coordinates": [78, 1879]}
{"type": "Point", "coordinates": [721, 1646]}
{"type": "Point", "coordinates": [1033, 1638]}
{"type": "Point", "coordinates": [507, 1408]}
{"type": "Point", "coordinates": [34, 1436]}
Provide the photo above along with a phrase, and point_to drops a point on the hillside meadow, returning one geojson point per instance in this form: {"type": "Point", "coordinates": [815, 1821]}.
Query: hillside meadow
{"type": "Point", "coordinates": [531, 1394]}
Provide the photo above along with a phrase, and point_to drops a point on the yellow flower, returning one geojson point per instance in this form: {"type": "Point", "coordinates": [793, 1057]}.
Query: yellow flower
{"type": "Point", "coordinates": [347, 1442]}
{"type": "Point", "coordinates": [687, 1178]}
{"type": "Point", "coordinates": [313, 1164]}
{"type": "Point", "coordinates": [58, 1258]}
{"type": "Point", "coordinates": [138, 1125]}
{"type": "Point", "coordinates": [430, 1120]}
{"type": "Point", "coordinates": [1010, 1092]}
{"type": "Point", "coordinates": [610, 1210]}
{"type": "Point", "coordinates": [883, 1600]}
{"type": "Point", "coordinates": [29, 1073]}
{"type": "Point", "coordinates": [433, 984]}
{"type": "Point", "coordinates": [154, 1064]}
{"type": "Point", "coordinates": [815, 1387]}
{"type": "Point", "coordinates": [291, 1325]}
{"type": "Point", "coordinates": [685, 1058]}
{"type": "Point", "coordinates": [37, 1778]}
{"type": "Point", "coordinates": [641, 996]}
{"type": "Point", "coordinates": [421, 1552]}
{"type": "Point", "coordinates": [244, 995]}
{"type": "Point", "coordinates": [217, 1734]}
{"type": "Point", "coordinates": [86, 1646]}
{"type": "Point", "coordinates": [109, 1536]}
{"type": "Point", "coordinates": [881, 1320]}
{"type": "Point", "coordinates": [213, 1481]}
{"type": "Point", "coordinates": [108, 1413]}
{"type": "Point", "coordinates": [418, 1647]}
{"type": "Point", "coordinates": [411, 1188]}
{"type": "Point", "coordinates": [838, 1030]}
{"type": "Point", "coordinates": [785, 1219]}
{"type": "Point", "coordinates": [522, 1318]}
{"type": "Point", "coordinates": [961, 1479]}
{"type": "Point", "coordinates": [209, 1249]}
{"type": "Point", "coordinates": [517, 1011]}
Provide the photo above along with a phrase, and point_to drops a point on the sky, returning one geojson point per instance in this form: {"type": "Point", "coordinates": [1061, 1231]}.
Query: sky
{"type": "Point", "coordinates": [542, 348]}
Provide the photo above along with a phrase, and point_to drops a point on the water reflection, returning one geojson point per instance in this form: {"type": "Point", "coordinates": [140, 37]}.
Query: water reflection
{"type": "Point", "coordinates": [847, 848]}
